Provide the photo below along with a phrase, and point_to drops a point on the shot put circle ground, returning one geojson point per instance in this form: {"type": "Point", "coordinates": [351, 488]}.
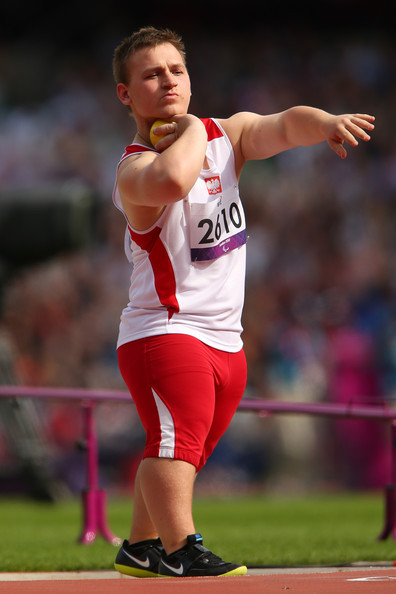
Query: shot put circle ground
{"type": "Point", "coordinates": [369, 580]}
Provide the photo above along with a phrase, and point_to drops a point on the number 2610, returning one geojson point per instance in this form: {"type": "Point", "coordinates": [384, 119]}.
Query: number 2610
{"type": "Point", "coordinates": [214, 231]}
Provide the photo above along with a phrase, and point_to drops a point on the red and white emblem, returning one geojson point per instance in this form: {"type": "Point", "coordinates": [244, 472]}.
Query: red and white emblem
{"type": "Point", "coordinates": [213, 185]}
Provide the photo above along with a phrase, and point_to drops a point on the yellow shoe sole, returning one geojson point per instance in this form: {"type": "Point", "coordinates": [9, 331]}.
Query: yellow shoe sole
{"type": "Point", "coordinates": [135, 571]}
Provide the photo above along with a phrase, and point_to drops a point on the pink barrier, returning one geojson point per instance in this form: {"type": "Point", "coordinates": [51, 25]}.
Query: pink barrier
{"type": "Point", "coordinates": [94, 499]}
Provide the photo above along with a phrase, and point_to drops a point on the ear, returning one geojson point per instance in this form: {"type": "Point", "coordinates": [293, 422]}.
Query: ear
{"type": "Point", "coordinates": [123, 94]}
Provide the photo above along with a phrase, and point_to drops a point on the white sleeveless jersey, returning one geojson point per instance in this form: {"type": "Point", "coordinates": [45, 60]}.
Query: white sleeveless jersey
{"type": "Point", "coordinates": [189, 268]}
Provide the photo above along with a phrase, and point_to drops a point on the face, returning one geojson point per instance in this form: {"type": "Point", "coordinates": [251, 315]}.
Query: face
{"type": "Point", "coordinates": [159, 84]}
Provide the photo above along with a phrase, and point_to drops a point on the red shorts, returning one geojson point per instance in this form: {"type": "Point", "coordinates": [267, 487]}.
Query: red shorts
{"type": "Point", "coordinates": [185, 392]}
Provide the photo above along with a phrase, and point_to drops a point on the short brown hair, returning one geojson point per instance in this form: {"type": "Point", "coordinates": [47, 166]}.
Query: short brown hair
{"type": "Point", "coordinates": [144, 37]}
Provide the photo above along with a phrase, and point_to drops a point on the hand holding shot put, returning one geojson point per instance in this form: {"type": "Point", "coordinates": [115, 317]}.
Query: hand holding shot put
{"type": "Point", "coordinates": [160, 129]}
{"type": "Point", "coordinates": [180, 349]}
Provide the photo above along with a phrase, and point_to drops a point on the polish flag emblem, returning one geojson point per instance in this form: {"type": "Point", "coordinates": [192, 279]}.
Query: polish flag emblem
{"type": "Point", "coordinates": [213, 185]}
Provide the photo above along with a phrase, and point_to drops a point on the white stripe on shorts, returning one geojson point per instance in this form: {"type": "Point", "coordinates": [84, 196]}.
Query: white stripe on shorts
{"type": "Point", "coordinates": [167, 445]}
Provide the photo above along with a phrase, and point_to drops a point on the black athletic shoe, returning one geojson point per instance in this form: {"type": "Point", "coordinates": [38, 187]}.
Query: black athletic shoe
{"type": "Point", "coordinates": [195, 560]}
{"type": "Point", "coordinates": [139, 559]}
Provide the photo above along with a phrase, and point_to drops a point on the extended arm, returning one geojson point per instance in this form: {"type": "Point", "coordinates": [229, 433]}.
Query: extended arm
{"type": "Point", "coordinates": [260, 137]}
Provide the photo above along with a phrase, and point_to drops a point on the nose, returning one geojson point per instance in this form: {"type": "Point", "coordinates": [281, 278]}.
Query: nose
{"type": "Point", "coordinates": [169, 80]}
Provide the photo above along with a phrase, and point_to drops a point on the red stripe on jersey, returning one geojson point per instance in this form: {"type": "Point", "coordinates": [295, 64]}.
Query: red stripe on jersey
{"type": "Point", "coordinates": [135, 148]}
{"type": "Point", "coordinates": [212, 129]}
{"type": "Point", "coordinates": [164, 276]}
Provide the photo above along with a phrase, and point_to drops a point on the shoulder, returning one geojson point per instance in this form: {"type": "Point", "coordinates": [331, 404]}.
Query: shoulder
{"type": "Point", "coordinates": [235, 124]}
{"type": "Point", "coordinates": [234, 127]}
{"type": "Point", "coordinates": [138, 154]}
{"type": "Point", "coordinates": [136, 149]}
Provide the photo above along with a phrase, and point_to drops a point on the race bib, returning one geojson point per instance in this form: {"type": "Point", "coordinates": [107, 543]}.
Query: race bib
{"type": "Point", "coordinates": [217, 227]}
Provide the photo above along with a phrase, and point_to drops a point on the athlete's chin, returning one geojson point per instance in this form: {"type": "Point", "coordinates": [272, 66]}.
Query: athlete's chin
{"type": "Point", "coordinates": [168, 114]}
{"type": "Point", "coordinates": [174, 104]}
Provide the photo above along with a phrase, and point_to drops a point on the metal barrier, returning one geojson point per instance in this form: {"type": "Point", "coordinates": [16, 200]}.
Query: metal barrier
{"type": "Point", "coordinates": [94, 499]}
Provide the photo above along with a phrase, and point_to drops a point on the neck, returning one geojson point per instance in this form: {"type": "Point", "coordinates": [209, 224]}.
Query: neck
{"type": "Point", "coordinates": [141, 139]}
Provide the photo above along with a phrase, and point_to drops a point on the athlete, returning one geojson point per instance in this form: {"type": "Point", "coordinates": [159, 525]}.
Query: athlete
{"type": "Point", "coordinates": [179, 349]}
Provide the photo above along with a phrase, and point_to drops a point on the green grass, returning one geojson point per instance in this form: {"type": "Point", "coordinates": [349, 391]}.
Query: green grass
{"type": "Point", "coordinates": [260, 530]}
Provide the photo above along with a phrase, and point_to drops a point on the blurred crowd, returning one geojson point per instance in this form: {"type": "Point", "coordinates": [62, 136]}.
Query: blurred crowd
{"type": "Point", "coordinates": [320, 313]}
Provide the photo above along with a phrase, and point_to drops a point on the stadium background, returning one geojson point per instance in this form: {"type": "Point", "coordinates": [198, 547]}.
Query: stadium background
{"type": "Point", "coordinates": [320, 314]}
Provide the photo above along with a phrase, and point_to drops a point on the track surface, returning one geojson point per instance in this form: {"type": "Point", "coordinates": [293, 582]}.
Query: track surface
{"type": "Point", "coordinates": [315, 581]}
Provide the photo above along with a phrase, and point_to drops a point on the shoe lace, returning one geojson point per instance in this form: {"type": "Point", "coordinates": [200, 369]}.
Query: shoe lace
{"type": "Point", "coordinates": [209, 557]}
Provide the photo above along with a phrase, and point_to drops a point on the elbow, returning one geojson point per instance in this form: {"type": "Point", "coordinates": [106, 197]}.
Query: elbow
{"type": "Point", "coordinates": [175, 186]}
{"type": "Point", "coordinates": [174, 190]}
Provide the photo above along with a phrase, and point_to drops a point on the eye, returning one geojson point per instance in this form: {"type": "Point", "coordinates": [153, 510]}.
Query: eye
{"type": "Point", "coordinates": [151, 75]}
{"type": "Point", "coordinates": [178, 69]}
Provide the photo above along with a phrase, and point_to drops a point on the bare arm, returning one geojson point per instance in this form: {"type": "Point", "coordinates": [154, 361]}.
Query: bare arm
{"type": "Point", "coordinates": [154, 180]}
{"type": "Point", "coordinates": [260, 137]}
